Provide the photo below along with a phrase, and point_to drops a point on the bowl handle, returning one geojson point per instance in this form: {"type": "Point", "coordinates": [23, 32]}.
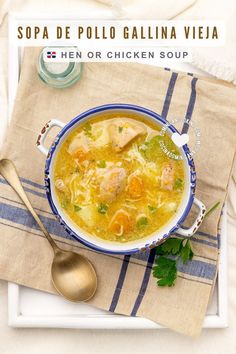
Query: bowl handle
{"type": "Point", "coordinates": [44, 132]}
{"type": "Point", "coordinates": [188, 232]}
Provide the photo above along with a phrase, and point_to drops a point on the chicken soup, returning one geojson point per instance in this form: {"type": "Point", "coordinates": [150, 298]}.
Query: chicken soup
{"type": "Point", "coordinates": [113, 179]}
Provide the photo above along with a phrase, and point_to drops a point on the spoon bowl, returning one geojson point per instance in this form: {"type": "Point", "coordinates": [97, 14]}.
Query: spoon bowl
{"type": "Point", "coordinates": [73, 276]}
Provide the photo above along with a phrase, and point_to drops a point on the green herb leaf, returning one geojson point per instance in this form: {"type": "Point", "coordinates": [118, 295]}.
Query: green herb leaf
{"type": "Point", "coordinates": [151, 148]}
{"type": "Point", "coordinates": [152, 151]}
{"type": "Point", "coordinates": [64, 203]}
{"type": "Point", "coordinates": [172, 246]}
{"type": "Point", "coordinates": [159, 251]}
{"type": "Point", "coordinates": [179, 183]}
{"type": "Point", "coordinates": [210, 211]}
{"type": "Point", "coordinates": [152, 209]}
{"type": "Point", "coordinates": [165, 271]}
{"type": "Point", "coordinates": [186, 252]}
{"type": "Point", "coordinates": [120, 129]}
{"type": "Point", "coordinates": [142, 222]}
{"type": "Point", "coordinates": [102, 209]}
{"type": "Point", "coordinates": [77, 208]}
{"type": "Point", "coordinates": [102, 164]}
{"type": "Point", "coordinates": [88, 129]}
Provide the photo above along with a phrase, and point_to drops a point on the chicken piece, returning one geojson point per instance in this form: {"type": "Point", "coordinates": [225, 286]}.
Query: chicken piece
{"type": "Point", "coordinates": [123, 132]}
{"type": "Point", "coordinates": [112, 184]}
{"type": "Point", "coordinates": [167, 177]}
{"type": "Point", "coordinates": [135, 186]}
{"type": "Point", "coordinates": [79, 148]}
{"type": "Point", "coordinates": [121, 223]}
{"type": "Point", "coordinates": [60, 185]}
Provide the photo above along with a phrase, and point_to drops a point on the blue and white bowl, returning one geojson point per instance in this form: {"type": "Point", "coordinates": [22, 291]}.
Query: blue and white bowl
{"type": "Point", "coordinates": [108, 246]}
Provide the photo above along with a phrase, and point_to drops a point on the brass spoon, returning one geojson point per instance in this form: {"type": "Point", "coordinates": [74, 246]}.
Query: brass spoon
{"type": "Point", "coordinates": [72, 274]}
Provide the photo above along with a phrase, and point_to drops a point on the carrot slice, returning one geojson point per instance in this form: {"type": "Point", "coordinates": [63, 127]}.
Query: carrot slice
{"type": "Point", "coordinates": [81, 155]}
{"type": "Point", "coordinates": [135, 186]}
{"type": "Point", "coordinates": [121, 223]}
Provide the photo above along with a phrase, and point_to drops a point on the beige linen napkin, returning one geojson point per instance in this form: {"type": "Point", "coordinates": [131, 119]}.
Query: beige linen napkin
{"type": "Point", "coordinates": [128, 287]}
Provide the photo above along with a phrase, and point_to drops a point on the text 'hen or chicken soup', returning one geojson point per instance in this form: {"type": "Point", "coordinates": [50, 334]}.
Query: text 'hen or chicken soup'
{"type": "Point", "coordinates": [113, 179]}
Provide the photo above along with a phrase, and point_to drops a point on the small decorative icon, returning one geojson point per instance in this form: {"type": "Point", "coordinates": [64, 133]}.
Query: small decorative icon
{"type": "Point", "coordinates": [180, 139]}
{"type": "Point", "coordinates": [51, 55]}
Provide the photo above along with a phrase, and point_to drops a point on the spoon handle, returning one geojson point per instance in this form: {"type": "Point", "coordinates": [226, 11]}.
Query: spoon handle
{"type": "Point", "coordinates": [8, 171]}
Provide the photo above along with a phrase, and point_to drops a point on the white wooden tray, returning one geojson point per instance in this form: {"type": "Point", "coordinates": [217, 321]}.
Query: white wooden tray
{"type": "Point", "coordinates": [32, 308]}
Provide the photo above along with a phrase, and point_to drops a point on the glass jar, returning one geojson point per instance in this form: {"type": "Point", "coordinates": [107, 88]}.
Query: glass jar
{"type": "Point", "coordinates": [58, 74]}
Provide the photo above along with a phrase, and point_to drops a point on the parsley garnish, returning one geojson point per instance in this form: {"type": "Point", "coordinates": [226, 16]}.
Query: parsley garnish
{"type": "Point", "coordinates": [213, 208]}
{"type": "Point", "coordinates": [120, 129]}
{"type": "Point", "coordinates": [170, 246]}
{"type": "Point", "coordinates": [64, 203]}
{"type": "Point", "coordinates": [102, 164]}
{"type": "Point", "coordinates": [88, 129]}
{"type": "Point", "coordinates": [176, 247]}
{"type": "Point", "coordinates": [142, 222]}
{"type": "Point", "coordinates": [102, 209]}
{"type": "Point", "coordinates": [151, 148]}
{"type": "Point", "coordinates": [165, 269]}
{"type": "Point", "coordinates": [179, 183]}
{"type": "Point", "coordinates": [152, 209]}
{"type": "Point", "coordinates": [77, 208]}
{"type": "Point", "coordinates": [186, 252]}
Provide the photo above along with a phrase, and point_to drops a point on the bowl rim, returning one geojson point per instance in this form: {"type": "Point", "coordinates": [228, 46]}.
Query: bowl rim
{"type": "Point", "coordinates": [47, 179]}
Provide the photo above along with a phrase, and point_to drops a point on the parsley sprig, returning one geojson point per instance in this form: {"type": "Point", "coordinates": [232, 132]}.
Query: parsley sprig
{"type": "Point", "coordinates": [102, 208]}
{"type": "Point", "coordinates": [165, 269]}
{"type": "Point", "coordinates": [168, 254]}
{"type": "Point", "coordinates": [88, 129]}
